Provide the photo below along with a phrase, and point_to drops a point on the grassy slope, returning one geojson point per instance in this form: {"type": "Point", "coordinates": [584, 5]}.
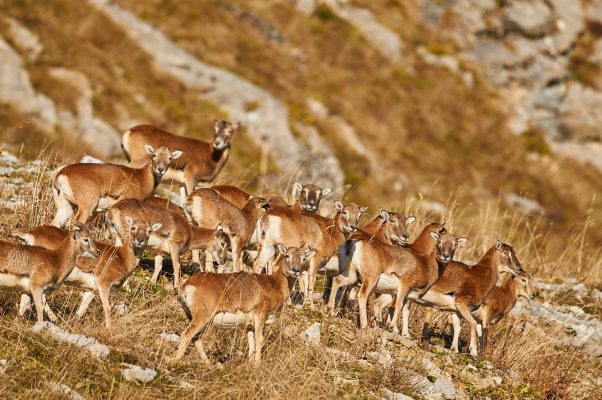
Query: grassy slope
{"type": "Point", "coordinates": [126, 89]}
{"type": "Point", "coordinates": [291, 368]}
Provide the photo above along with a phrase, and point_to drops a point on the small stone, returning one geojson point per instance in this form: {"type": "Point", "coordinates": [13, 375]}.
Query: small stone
{"type": "Point", "coordinates": [121, 309]}
{"type": "Point", "coordinates": [6, 170]}
{"type": "Point", "coordinates": [497, 379]}
{"type": "Point", "coordinates": [90, 160]}
{"type": "Point", "coordinates": [3, 363]}
{"type": "Point", "coordinates": [471, 367]}
{"type": "Point", "coordinates": [385, 357]}
{"type": "Point", "coordinates": [338, 353]}
{"type": "Point", "coordinates": [137, 373]}
{"type": "Point", "coordinates": [185, 385]}
{"type": "Point", "coordinates": [391, 395]}
{"type": "Point", "coordinates": [7, 158]}
{"type": "Point", "coordinates": [66, 390]}
{"type": "Point", "coordinates": [312, 334]}
{"type": "Point", "coordinates": [345, 381]}
{"type": "Point", "coordinates": [170, 337]}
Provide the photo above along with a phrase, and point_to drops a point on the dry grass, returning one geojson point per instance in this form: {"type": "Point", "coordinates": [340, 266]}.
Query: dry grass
{"type": "Point", "coordinates": [291, 367]}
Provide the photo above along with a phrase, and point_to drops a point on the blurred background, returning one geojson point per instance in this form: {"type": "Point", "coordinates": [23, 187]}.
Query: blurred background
{"type": "Point", "coordinates": [478, 107]}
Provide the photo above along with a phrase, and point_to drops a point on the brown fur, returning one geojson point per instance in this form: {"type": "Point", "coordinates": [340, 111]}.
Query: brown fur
{"type": "Point", "coordinates": [234, 195]}
{"type": "Point", "coordinates": [84, 187]}
{"type": "Point", "coordinates": [172, 239]}
{"type": "Point", "coordinates": [202, 160]}
{"type": "Point", "coordinates": [204, 295]}
{"type": "Point", "coordinates": [46, 269]}
{"type": "Point", "coordinates": [293, 228]}
{"type": "Point", "coordinates": [112, 268]}
{"type": "Point", "coordinates": [387, 227]}
{"type": "Point", "coordinates": [413, 268]}
{"type": "Point", "coordinates": [463, 287]}
{"type": "Point", "coordinates": [208, 209]}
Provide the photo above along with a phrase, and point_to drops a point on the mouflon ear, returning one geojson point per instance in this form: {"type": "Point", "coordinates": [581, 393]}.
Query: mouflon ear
{"type": "Point", "coordinates": [435, 235]}
{"type": "Point", "coordinates": [156, 227]}
{"type": "Point", "coordinates": [498, 245]}
{"type": "Point", "coordinates": [176, 154]}
{"type": "Point", "coordinates": [282, 248]}
{"type": "Point", "coordinates": [298, 186]}
{"type": "Point", "coordinates": [149, 149]}
{"type": "Point", "coordinates": [410, 219]}
{"type": "Point", "coordinates": [338, 205]}
{"type": "Point", "coordinates": [363, 209]}
{"type": "Point", "coordinates": [310, 253]}
{"type": "Point", "coordinates": [384, 214]}
{"type": "Point", "coordinates": [129, 220]}
{"type": "Point", "coordinates": [326, 191]}
{"type": "Point", "coordinates": [461, 240]}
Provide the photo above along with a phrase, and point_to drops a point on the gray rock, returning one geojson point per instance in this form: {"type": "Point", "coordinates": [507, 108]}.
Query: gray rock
{"type": "Point", "coordinates": [90, 160]}
{"type": "Point", "coordinates": [549, 98]}
{"type": "Point", "coordinates": [170, 337]}
{"type": "Point", "coordinates": [382, 38]}
{"type": "Point", "coordinates": [582, 330]}
{"type": "Point", "coordinates": [305, 6]}
{"type": "Point", "coordinates": [137, 373]}
{"type": "Point", "coordinates": [67, 391]}
{"type": "Point", "coordinates": [585, 153]}
{"type": "Point", "coordinates": [390, 395]}
{"type": "Point", "coordinates": [329, 173]}
{"type": "Point", "coordinates": [185, 385]}
{"type": "Point", "coordinates": [7, 158]}
{"type": "Point", "coordinates": [596, 295]}
{"type": "Point", "coordinates": [86, 342]}
{"type": "Point", "coordinates": [497, 380]}
{"type": "Point", "coordinates": [443, 61]}
{"type": "Point", "coordinates": [121, 309]}
{"type": "Point", "coordinates": [267, 123]}
{"type": "Point", "coordinates": [524, 205]}
{"type": "Point", "coordinates": [7, 171]}
{"type": "Point", "coordinates": [312, 334]}
{"type": "Point", "coordinates": [27, 41]}
{"type": "Point", "coordinates": [432, 206]}
{"type": "Point", "coordinates": [570, 22]}
{"type": "Point", "coordinates": [339, 353]}
{"type": "Point", "coordinates": [91, 130]}
{"type": "Point", "coordinates": [345, 381]}
{"type": "Point", "coordinates": [442, 386]}
{"type": "Point", "coordinates": [581, 112]}
{"type": "Point", "coordinates": [531, 18]}
{"type": "Point", "coordinates": [16, 89]}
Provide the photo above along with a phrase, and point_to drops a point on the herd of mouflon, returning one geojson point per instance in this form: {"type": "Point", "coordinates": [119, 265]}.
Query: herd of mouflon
{"type": "Point", "coordinates": [252, 250]}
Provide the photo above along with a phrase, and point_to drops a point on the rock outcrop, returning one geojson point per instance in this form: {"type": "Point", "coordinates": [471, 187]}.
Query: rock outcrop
{"type": "Point", "coordinates": [525, 48]}
{"type": "Point", "coordinates": [267, 122]}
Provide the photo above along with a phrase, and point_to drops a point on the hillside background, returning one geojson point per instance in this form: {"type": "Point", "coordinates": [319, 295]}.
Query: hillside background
{"type": "Point", "coordinates": [485, 114]}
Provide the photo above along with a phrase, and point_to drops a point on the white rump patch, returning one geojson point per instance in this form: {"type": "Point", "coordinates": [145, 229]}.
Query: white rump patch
{"type": "Point", "coordinates": [387, 284]}
{"type": "Point", "coordinates": [15, 282]}
{"type": "Point", "coordinates": [232, 320]}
